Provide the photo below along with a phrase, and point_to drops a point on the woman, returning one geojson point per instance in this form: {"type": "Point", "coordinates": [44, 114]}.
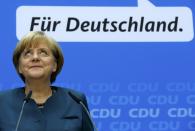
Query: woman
{"type": "Point", "coordinates": [38, 60]}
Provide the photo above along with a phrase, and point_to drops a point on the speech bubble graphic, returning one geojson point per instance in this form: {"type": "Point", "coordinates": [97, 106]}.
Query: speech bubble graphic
{"type": "Point", "coordinates": [145, 4]}
{"type": "Point", "coordinates": [145, 23]}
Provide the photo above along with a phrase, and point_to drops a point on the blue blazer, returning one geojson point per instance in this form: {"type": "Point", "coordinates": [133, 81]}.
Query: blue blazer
{"type": "Point", "coordinates": [60, 112]}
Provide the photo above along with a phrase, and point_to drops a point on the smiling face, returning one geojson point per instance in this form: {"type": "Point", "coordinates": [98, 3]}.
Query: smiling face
{"type": "Point", "coordinates": [37, 62]}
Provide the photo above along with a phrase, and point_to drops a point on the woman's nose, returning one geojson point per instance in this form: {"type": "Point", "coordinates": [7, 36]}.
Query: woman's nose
{"type": "Point", "coordinates": [35, 57]}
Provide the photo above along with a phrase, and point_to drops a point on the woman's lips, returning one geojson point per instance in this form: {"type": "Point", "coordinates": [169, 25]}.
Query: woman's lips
{"type": "Point", "coordinates": [35, 66]}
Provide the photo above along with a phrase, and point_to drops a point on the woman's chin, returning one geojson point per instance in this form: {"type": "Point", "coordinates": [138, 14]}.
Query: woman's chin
{"type": "Point", "coordinates": [36, 75]}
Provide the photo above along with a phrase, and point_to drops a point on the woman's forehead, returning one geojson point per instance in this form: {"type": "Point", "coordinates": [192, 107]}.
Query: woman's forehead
{"type": "Point", "coordinates": [38, 44]}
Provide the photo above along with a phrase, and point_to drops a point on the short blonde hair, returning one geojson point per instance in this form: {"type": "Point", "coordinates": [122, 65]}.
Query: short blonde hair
{"type": "Point", "coordinates": [32, 39]}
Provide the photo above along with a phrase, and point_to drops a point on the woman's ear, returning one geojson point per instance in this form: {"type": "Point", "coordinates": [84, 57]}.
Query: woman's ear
{"type": "Point", "coordinates": [19, 69]}
{"type": "Point", "coordinates": [55, 67]}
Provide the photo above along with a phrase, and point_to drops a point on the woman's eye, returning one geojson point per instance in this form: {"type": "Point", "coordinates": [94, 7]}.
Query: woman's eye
{"type": "Point", "coordinates": [27, 53]}
{"type": "Point", "coordinates": [43, 52]}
